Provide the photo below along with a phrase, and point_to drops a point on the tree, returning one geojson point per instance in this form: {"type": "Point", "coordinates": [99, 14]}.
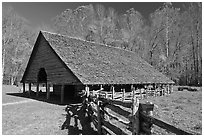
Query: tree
{"type": "Point", "coordinates": [15, 43]}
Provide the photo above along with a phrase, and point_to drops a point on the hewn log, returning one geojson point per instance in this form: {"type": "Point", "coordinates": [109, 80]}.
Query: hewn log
{"type": "Point", "coordinates": [105, 131]}
{"type": "Point", "coordinates": [116, 118]}
{"type": "Point", "coordinates": [117, 102]}
{"type": "Point", "coordinates": [163, 125]}
{"type": "Point", "coordinates": [113, 128]}
{"type": "Point", "coordinates": [119, 110]}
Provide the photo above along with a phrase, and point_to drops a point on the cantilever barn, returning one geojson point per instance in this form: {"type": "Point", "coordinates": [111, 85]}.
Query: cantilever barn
{"type": "Point", "coordinates": [70, 64]}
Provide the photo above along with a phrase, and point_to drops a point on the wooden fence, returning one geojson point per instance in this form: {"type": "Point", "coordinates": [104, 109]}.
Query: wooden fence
{"type": "Point", "coordinates": [113, 115]}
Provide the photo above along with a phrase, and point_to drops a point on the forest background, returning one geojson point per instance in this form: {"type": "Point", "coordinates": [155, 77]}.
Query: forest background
{"type": "Point", "coordinates": [170, 39]}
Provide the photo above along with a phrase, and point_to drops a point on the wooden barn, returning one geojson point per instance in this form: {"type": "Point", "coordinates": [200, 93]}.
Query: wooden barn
{"type": "Point", "coordinates": [71, 64]}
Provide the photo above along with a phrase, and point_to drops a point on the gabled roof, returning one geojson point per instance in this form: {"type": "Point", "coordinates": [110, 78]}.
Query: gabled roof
{"type": "Point", "coordinates": [94, 63]}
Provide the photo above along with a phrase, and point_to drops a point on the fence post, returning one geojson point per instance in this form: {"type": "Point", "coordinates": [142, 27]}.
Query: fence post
{"type": "Point", "coordinates": [146, 127]}
{"type": "Point", "coordinates": [113, 92]}
{"type": "Point", "coordinates": [98, 116]}
{"type": "Point", "coordinates": [123, 96]}
{"type": "Point", "coordinates": [87, 91]}
{"type": "Point", "coordinates": [171, 88]}
{"type": "Point", "coordinates": [106, 95]}
{"type": "Point", "coordinates": [135, 115]}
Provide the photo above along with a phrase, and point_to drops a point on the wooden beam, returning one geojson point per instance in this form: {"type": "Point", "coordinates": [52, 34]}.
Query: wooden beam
{"type": "Point", "coordinates": [141, 93]}
{"type": "Point", "coordinates": [113, 92]}
{"type": "Point", "coordinates": [123, 96]}
{"type": "Point", "coordinates": [29, 90]}
{"type": "Point", "coordinates": [37, 90]}
{"type": "Point", "coordinates": [87, 91]}
{"type": "Point", "coordinates": [163, 125]}
{"type": "Point", "coordinates": [23, 87]}
{"type": "Point", "coordinates": [62, 93]}
{"type": "Point", "coordinates": [48, 90]}
{"type": "Point", "coordinates": [133, 92]}
{"type": "Point", "coordinates": [171, 88]}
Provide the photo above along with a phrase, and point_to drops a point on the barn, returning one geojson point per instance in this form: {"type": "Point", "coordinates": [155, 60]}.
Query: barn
{"type": "Point", "coordinates": [71, 64]}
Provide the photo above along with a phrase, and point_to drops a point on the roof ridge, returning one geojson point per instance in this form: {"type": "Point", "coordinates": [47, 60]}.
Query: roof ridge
{"type": "Point", "coordinates": [89, 41]}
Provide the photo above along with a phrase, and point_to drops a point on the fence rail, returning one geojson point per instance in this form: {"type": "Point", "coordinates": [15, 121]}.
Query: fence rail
{"type": "Point", "coordinates": [135, 118]}
{"type": "Point", "coordinates": [163, 125]}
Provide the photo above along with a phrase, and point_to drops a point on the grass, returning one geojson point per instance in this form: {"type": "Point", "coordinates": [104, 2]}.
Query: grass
{"type": "Point", "coordinates": [182, 109]}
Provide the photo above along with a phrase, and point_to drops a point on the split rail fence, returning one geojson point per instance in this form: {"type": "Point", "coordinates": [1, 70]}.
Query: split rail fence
{"type": "Point", "coordinates": [122, 115]}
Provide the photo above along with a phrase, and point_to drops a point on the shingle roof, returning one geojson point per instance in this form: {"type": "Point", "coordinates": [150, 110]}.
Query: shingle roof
{"type": "Point", "coordinates": [95, 63]}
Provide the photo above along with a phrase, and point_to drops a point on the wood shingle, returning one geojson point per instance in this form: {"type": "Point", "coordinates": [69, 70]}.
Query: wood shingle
{"type": "Point", "coordinates": [93, 63]}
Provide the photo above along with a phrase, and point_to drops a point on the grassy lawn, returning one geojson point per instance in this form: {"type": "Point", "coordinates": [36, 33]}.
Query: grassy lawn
{"type": "Point", "coordinates": [183, 109]}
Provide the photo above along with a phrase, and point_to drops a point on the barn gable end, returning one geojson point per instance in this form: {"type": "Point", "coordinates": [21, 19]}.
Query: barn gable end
{"type": "Point", "coordinates": [43, 56]}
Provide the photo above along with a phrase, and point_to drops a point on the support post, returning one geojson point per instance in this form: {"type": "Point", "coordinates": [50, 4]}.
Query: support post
{"type": "Point", "coordinates": [123, 96]}
{"type": "Point", "coordinates": [135, 116]}
{"type": "Point", "coordinates": [87, 91]}
{"type": "Point", "coordinates": [133, 92]}
{"type": "Point", "coordinates": [23, 88]}
{"type": "Point", "coordinates": [62, 93]}
{"type": "Point", "coordinates": [171, 88]}
{"type": "Point", "coordinates": [101, 88]}
{"type": "Point", "coordinates": [165, 89]}
{"type": "Point", "coordinates": [48, 90]}
{"type": "Point", "coordinates": [140, 90]}
{"type": "Point", "coordinates": [168, 89]}
{"type": "Point", "coordinates": [37, 90]}
{"type": "Point", "coordinates": [147, 109]}
{"type": "Point", "coordinates": [113, 92]}
{"type": "Point", "coordinates": [98, 115]}
{"type": "Point", "coordinates": [29, 90]}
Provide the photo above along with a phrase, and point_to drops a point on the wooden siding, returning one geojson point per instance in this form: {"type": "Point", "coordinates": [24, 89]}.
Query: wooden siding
{"type": "Point", "coordinates": [57, 89]}
{"type": "Point", "coordinates": [45, 57]}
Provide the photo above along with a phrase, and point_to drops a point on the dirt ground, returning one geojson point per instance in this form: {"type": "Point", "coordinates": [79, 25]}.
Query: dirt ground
{"type": "Point", "coordinates": [24, 116]}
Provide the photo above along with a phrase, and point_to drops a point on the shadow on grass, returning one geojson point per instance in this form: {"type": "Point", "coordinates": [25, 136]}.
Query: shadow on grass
{"type": "Point", "coordinates": [54, 99]}
{"type": "Point", "coordinates": [80, 123]}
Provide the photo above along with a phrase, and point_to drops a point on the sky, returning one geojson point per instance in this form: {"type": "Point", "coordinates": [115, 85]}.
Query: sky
{"type": "Point", "coordinates": [39, 13]}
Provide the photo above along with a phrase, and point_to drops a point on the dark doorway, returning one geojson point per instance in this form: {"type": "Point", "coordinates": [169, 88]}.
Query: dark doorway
{"type": "Point", "coordinates": [42, 76]}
